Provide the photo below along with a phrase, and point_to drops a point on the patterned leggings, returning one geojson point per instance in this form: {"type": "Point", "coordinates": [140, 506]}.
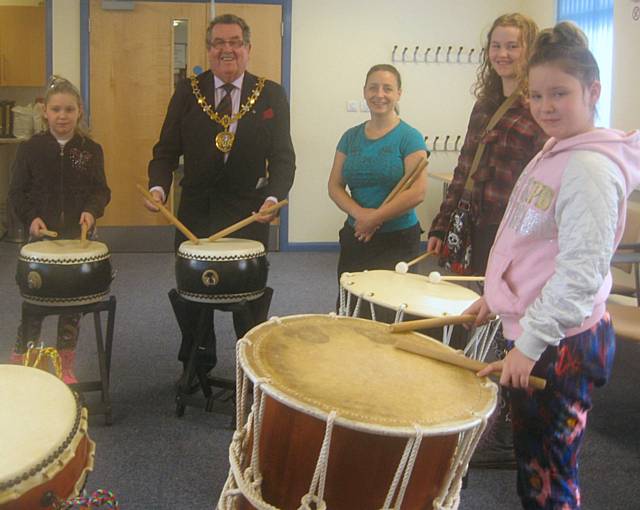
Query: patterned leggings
{"type": "Point", "coordinates": [30, 327]}
{"type": "Point", "coordinates": [549, 425]}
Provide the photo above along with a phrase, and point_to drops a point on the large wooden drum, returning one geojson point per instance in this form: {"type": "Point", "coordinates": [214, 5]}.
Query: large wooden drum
{"type": "Point", "coordinates": [224, 271]}
{"type": "Point", "coordinates": [415, 295]}
{"type": "Point", "coordinates": [341, 418]}
{"type": "Point", "coordinates": [46, 452]}
{"type": "Point", "coordinates": [64, 273]}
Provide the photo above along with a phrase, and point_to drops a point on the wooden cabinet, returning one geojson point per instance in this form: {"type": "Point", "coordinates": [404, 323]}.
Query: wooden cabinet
{"type": "Point", "coordinates": [22, 46]}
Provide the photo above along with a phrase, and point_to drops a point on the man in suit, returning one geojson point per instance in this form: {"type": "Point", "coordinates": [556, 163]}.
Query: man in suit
{"type": "Point", "coordinates": [230, 171]}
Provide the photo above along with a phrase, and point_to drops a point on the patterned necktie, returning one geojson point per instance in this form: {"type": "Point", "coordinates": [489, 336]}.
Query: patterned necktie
{"type": "Point", "coordinates": [224, 107]}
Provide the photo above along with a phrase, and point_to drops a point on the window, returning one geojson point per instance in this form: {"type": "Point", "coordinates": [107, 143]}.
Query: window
{"type": "Point", "coordinates": [595, 18]}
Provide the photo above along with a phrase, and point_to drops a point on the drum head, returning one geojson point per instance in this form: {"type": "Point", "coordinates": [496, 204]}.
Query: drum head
{"type": "Point", "coordinates": [226, 248]}
{"type": "Point", "coordinates": [37, 416]}
{"type": "Point", "coordinates": [320, 363]}
{"type": "Point", "coordinates": [64, 251]}
{"type": "Point", "coordinates": [420, 296]}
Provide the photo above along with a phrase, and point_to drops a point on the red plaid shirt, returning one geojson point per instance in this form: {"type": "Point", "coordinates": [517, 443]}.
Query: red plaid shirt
{"type": "Point", "coordinates": [510, 145]}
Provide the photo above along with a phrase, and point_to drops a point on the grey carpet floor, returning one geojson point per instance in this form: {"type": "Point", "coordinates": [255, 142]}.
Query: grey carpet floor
{"type": "Point", "coordinates": [153, 460]}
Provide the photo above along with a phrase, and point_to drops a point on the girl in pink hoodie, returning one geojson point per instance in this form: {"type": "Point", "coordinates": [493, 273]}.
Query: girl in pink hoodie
{"type": "Point", "coordinates": [548, 273]}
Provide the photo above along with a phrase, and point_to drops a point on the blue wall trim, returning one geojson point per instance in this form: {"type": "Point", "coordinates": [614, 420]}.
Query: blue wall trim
{"type": "Point", "coordinates": [313, 247]}
{"type": "Point", "coordinates": [84, 59]}
{"type": "Point", "coordinates": [49, 39]}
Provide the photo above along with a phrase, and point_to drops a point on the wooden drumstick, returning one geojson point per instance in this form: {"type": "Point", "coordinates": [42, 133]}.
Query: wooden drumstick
{"type": "Point", "coordinates": [403, 267]}
{"type": "Point", "coordinates": [83, 232]}
{"type": "Point", "coordinates": [429, 350]}
{"type": "Point", "coordinates": [167, 214]}
{"type": "Point", "coordinates": [436, 322]}
{"type": "Point", "coordinates": [48, 233]}
{"type": "Point", "coordinates": [407, 180]}
{"type": "Point", "coordinates": [436, 277]}
{"type": "Point", "coordinates": [247, 221]}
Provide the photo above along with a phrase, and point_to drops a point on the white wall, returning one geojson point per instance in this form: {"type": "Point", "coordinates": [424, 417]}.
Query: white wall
{"type": "Point", "coordinates": [66, 39]}
{"type": "Point", "coordinates": [335, 43]}
{"type": "Point", "coordinates": [625, 112]}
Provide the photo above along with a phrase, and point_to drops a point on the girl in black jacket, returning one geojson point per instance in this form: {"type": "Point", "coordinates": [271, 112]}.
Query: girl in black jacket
{"type": "Point", "coordinates": [58, 183]}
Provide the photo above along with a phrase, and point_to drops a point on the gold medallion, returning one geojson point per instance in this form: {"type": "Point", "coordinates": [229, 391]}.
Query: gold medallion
{"type": "Point", "coordinates": [224, 141]}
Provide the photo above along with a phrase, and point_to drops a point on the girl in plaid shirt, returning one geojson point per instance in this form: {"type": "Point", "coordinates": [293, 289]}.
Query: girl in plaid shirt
{"type": "Point", "coordinates": [510, 145]}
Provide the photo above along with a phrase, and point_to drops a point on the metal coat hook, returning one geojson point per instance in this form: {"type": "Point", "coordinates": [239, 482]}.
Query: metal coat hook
{"type": "Point", "coordinates": [459, 53]}
{"type": "Point", "coordinates": [435, 143]}
{"type": "Point", "coordinates": [415, 53]}
{"type": "Point", "coordinates": [404, 52]}
{"type": "Point", "coordinates": [437, 53]}
{"type": "Point", "coordinates": [446, 143]}
{"type": "Point", "coordinates": [426, 54]}
{"type": "Point", "coordinates": [393, 53]}
{"type": "Point", "coordinates": [449, 52]}
{"type": "Point", "coordinates": [458, 138]}
{"type": "Point", "coordinates": [470, 54]}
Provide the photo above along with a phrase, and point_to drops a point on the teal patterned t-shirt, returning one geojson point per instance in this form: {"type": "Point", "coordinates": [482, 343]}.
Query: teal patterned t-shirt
{"type": "Point", "coordinates": [373, 167]}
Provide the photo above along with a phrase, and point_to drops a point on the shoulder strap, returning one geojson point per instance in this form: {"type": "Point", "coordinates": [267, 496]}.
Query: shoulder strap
{"type": "Point", "coordinates": [492, 122]}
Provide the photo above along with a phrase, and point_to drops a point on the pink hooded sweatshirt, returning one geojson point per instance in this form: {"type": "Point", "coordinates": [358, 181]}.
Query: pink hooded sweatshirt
{"type": "Point", "coordinates": [548, 272]}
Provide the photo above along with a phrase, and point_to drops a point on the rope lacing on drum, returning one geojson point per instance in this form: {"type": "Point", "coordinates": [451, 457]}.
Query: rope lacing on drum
{"type": "Point", "coordinates": [449, 497]}
{"type": "Point", "coordinates": [372, 310]}
{"type": "Point", "coordinates": [341, 308]}
{"type": "Point", "coordinates": [404, 471]}
{"type": "Point", "coordinates": [400, 313]}
{"type": "Point", "coordinates": [481, 341]}
{"type": "Point", "coordinates": [315, 496]}
{"type": "Point", "coordinates": [356, 309]}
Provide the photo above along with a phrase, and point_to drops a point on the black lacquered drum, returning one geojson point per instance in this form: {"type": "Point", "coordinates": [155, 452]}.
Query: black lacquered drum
{"type": "Point", "coordinates": [64, 272]}
{"type": "Point", "coordinates": [224, 271]}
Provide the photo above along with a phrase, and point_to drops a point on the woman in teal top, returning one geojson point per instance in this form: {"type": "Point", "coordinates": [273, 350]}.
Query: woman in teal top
{"type": "Point", "coordinates": [370, 159]}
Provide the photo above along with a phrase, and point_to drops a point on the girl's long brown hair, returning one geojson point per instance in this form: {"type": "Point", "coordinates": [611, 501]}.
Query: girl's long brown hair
{"type": "Point", "coordinates": [488, 85]}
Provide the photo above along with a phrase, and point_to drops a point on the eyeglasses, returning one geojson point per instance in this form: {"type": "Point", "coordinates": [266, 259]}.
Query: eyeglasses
{"type": "Point", "coordinates": [219, 44]}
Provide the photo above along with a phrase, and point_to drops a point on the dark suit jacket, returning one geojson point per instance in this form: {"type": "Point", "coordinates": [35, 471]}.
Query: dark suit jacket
{"type": "Point", "coordinates": [216, 194]}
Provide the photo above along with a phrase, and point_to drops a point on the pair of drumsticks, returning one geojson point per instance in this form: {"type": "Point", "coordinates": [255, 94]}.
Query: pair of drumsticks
{"type": "Point", "coordinates": [429, 349]}
{"type": "Point", "coordinates": [218, 235]}
{"type": "Point", "coordinates": [51, 233]}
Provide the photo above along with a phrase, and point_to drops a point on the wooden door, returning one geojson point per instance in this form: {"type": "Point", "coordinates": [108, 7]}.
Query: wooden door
{"type": "Point", "coordinates": [131, 82]}
{"type": "Point", "coordinates": [22, 46]}
{"type": "Point", "coordinates": [265, 22]}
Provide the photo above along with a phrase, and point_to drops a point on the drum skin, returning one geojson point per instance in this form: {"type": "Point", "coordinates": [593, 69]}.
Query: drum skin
{"type": "Point", "coordinates": [51, 279]}
{"type": "Point", "coordinates": [221, 272]}
{"type": "Point", "coordinates": [315, 364]}
{"type": "Point", "coordinates": [49, 448]}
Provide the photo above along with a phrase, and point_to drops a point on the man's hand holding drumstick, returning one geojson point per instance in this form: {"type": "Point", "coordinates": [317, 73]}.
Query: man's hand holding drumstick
{"type": "Point", "coordinates": [268, 216]}
{"type": "Point", "coordinates": [158, 196]}
{"type": "Point", "coordinates": [515, 368]}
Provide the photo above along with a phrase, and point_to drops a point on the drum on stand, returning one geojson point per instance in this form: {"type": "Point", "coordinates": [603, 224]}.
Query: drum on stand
{"type": "Point", "coordinates": [415, 295]}
{"type": "Point", "coordinates": [64, 272]}
{"type": "Point", "coordinates": [47, 453]}
{"type": "Point", "coordinates": [223, 271]}
{"type": "Point", "coordinates": [341, 418]}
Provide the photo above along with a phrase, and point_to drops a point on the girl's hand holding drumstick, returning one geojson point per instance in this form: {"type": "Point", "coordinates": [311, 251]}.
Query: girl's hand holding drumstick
{"type": "Point", "coordinates": [515, 369]}
{"type": "Point", "coordinates": [431, 348]}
